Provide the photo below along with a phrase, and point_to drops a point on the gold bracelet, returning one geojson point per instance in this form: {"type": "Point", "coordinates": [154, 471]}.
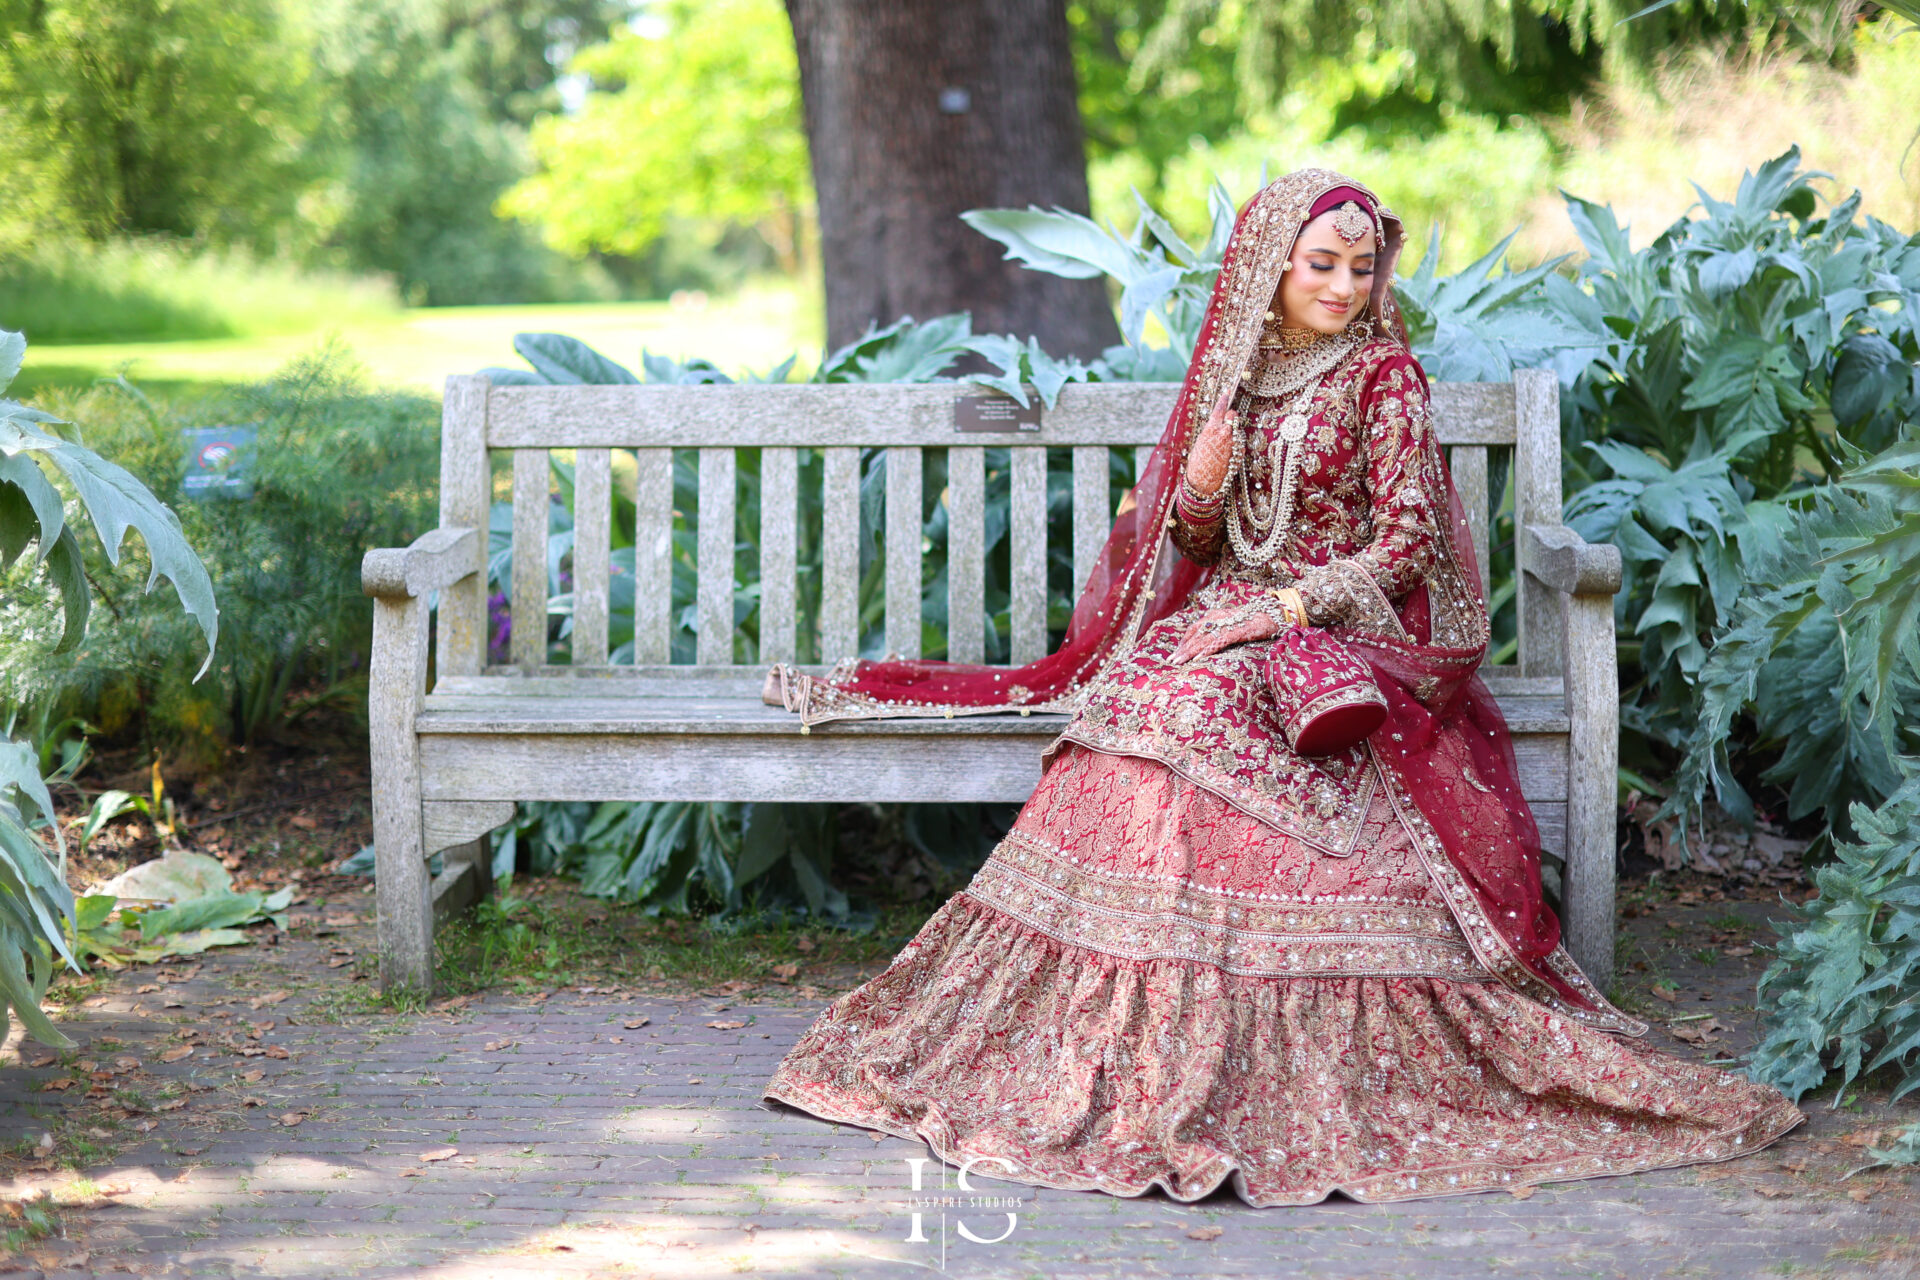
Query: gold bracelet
{"type": "Point", "coordinates": [1293, 605]}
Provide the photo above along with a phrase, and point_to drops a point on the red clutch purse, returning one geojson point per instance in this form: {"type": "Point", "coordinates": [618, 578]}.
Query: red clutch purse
{"type": "Point", "coordinates": [1327, 697]}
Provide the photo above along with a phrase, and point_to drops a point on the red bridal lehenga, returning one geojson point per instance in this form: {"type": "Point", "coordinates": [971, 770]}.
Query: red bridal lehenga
{"type": "Point", "coordinates": [1200, 955]}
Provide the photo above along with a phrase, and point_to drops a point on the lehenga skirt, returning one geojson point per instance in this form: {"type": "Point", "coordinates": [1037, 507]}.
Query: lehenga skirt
{"type": "Point", "coordinates": [1146, 986]}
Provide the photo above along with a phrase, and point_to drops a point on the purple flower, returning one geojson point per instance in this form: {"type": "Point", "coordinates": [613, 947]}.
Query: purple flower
{"type": "Point", "coordinates": [500, 631]}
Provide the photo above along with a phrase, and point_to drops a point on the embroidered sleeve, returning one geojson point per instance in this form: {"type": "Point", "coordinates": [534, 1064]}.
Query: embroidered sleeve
{"type": "Point", "coordinates": [1397, 425]}
{"type": "Point", "coordinates": [1198, 529]}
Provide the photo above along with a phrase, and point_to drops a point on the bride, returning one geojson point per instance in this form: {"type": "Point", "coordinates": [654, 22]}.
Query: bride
{"type": "Point", "coordinates": [1274, 910]}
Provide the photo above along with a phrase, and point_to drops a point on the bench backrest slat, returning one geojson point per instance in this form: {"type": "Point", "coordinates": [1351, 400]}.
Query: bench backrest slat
{"type": "Point", "coordinates": [713, 592]}
{"type": "Point", "coordinates": [1468, 465]}
{"type": "Point", "coordinates": [653, 557]}
{"type": "Point", "coordinates": [835, 423]}
{"type": "Point", "coordinates": [1027, 587]}
{"type": "Point", "coordinates": [592, 538]}
{"type": "Point", "coordinates": [779, 565]}
{"type": "Point", "coordinates": [840, 554]}
{"type": "Point", "coordinates": [966, 554]}
{"type": "Point", "coordinates": [1092, 508]}
{"type": "Point", "coordinates": [532, 508]}
{"type": "Point", "coordinates": [903, 551]}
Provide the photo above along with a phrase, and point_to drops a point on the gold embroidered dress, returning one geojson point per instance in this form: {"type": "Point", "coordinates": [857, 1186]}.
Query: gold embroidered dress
{"type": "Point", "coordinates": [1199, 955]}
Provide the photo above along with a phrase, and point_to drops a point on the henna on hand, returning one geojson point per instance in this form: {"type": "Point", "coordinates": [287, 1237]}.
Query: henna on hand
{"type": "Point", "coordinates": [1208, 460]}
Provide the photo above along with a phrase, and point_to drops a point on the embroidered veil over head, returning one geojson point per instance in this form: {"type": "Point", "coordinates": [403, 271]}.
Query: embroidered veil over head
{"type": "Point", "coordinates": [1444, 749]}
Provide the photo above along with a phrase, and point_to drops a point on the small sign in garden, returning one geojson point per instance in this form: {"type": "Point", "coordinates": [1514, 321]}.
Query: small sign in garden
{"type": "Point", "coordinates": [219, 462]}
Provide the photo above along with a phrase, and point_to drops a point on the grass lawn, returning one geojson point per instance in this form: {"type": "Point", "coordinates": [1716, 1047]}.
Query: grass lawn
{"type": "Point", "coordinates": [751, 330]}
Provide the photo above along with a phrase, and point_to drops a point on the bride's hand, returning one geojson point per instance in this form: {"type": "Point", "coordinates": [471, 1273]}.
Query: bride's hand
{"type": "Point", "coordinates": [1210, 634]}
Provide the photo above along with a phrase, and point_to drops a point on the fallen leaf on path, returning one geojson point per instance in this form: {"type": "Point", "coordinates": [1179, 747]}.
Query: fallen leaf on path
{"type": "Point", "coordinates": [785, 972]}
{"type": "Point", "coordinates": [341, 922]}
{"type": "Point", "coordinates": [277, 1051]}
{"type": "Point", "coordinates": [438, 1154]}
{"type": "Point", "coordinates": [1794, 1166]}
{"type": "Point", "coordinates": [171, 1104]}
{"type": "Point", "coordinates": [1860, 1195]}
{"type": "Point", "coordinates": [271, 998]}
{"type": "Point", "coordinates": [341, 963]}
{"type": "Point", "coordinates": [146, 988]}
{"type": "Point", "coordinates": [1205, 1233]}
{"type": "Point", "coordinates": [1773, 1193]}
{"type": "Point", "coordinates": [1714, 1174]}
{"type": "Point", "coordinates": [726, 1026]}
{"type": "Point", "coordinates": [634, 1024]}
{"type": "Point", "coordinates": [413, 1173]}
{"type": "Point", "coordinates": [251, 1101]}
{"type": "Point", "coordinates": [494, 1046]}
{"type": "Point", "coordinates": [42, 1059]}
{"type": "Point", "coordinates": [1738, 952]}
{"type": "Point", "coordinates": [803, 943]}
{"type": "Point", "coordinates": [1862, 1138]}
{"type": "Point", "coordinates": [695, 1080]}
{"type": "Point", "coordinates": [616, 1039]}
{"type": "Point", "coordinates": [176, 1053]}
{"type": "Point", "coordinates": [1521, 1193]}
{"type": "Point", "coordinates": [251, 1076]}
{"type": "Point", "coordinates": [292, 1118]}
{"type": "Point", "coordinates": [1669, 994]}
{"type": "Point", "coordinates": [59, 1085]}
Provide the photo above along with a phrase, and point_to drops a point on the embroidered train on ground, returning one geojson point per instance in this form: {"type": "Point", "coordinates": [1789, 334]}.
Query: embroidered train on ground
{"type": "Point", "coordinates": [1240, 952]}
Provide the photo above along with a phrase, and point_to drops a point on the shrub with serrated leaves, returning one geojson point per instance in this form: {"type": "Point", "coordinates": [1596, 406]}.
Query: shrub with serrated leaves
{"type": "Point", "coordinates": [36, 461]}
{"type": "Point", "coordinates": [336, 468]}
{"type": "Point", "coordinates": [1767, 344]}
{"type": "Point", "coordinates": [1846, 980]}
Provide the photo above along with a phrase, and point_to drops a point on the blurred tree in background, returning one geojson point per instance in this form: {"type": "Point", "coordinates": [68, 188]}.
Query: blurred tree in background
{"type": "Point", "coordinates": [152, 117]}
{"type": "Point", "coordinates": [695, 124]}
{"type": "Point", "coordinates": [547, 150]}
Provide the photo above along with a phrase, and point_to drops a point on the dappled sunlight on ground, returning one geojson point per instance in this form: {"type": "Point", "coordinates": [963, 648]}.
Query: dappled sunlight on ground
{"type": "Point", "coordinates": [619, 1131]}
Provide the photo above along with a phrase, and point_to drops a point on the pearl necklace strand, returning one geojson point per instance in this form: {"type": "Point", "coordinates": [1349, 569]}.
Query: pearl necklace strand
{"type": "Point", "coordinates": [1256, 533]}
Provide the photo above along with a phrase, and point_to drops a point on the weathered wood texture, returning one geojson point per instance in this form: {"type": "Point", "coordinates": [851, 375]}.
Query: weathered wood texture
{"type": "Point", "coordinates": [903, 552]}
{"type": "Point", "coordinates": [779, 571]}
{"type": "Point", "coordinates": [881, 415]}
{"type": "Point", "coordinates": [653, 556]}
{"type": "Point", "coordinates": [713, 594]}
{"type": "Point", "coordinates": [592, 530]}
{"type": "Point", "coordinates": [448, 764]}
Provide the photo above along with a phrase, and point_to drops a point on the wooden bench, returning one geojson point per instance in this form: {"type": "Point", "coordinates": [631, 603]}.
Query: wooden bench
{"type": "Point", "coordinates": [448, 764]}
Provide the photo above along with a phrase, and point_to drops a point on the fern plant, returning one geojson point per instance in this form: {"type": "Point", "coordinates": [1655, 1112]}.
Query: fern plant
{"type": "Point", "coordinates": [36, 906]}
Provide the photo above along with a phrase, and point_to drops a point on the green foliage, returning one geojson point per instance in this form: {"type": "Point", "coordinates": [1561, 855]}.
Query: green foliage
{"type": "Point", "coordinates": [1477, 55]}
{"type": "Point", "coordinates": [697, 122]}
{"type": "Point", "coordinates": [336, 469]}
{"type": "Point", "coordinates": [1764, 345]}
{"type": "Point", "coordinates": [1845, 979]}
{"type": "Point", "coordinates": [36, 906]}
{"type": "Point", "coordinates": [168, 117]}
{"type": "Point", "coordinates": [415, 164]}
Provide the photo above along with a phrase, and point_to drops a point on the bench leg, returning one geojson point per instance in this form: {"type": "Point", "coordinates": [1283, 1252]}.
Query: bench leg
{"type": "Point", "coordinates": [403, 891]}
{"type": "Point", "coordinates": [1593, 767]}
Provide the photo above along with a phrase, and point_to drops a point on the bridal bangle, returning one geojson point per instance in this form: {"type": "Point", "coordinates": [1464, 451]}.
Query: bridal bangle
{"type": "Point", "coordinates": [1292, 605]}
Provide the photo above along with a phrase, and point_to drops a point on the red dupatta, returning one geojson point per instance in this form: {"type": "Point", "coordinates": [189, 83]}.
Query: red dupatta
{"type": "Point", "coordinates": [1444, 749]}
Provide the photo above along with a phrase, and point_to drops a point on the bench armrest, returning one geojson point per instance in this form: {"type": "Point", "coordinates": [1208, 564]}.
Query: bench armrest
{"type": "Point", "coordinates": [1563, 560]}
{"type": "Point", "coordinates": [437, 559]}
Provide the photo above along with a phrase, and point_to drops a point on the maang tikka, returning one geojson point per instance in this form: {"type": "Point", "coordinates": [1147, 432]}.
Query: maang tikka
{"type": "Point", "coordinates": [1350, 222]}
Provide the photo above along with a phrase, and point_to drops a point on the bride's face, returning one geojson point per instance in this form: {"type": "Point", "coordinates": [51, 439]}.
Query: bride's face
{"type": "Point", "coordinates": [1327, 279]}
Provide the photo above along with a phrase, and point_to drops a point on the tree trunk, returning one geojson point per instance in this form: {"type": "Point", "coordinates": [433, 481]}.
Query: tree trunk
{"type": "Point", "coordinates": [917, 110]}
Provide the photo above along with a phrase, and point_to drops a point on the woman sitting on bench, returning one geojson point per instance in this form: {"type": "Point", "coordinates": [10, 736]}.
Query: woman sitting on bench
{"type": "Point", "coordinates": [1275, 909]}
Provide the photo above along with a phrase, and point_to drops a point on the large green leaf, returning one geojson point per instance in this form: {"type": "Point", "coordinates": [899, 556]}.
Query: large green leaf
{"type": "Point", "coordinates": [116, 502]}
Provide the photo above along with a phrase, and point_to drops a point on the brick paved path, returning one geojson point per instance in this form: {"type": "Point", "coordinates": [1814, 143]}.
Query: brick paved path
{"type": "Point", "coordinates": [525, 1137]}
